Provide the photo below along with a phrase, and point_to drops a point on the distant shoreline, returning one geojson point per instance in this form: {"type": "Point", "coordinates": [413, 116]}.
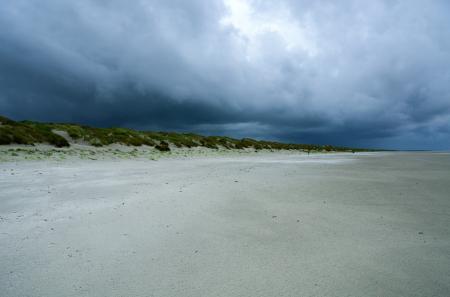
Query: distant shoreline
{"type": "Point", "coordinates": [62, 135]}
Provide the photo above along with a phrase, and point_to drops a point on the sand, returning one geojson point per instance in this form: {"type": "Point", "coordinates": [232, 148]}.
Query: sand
{"type": "Point", "coordinates": [374, 224]}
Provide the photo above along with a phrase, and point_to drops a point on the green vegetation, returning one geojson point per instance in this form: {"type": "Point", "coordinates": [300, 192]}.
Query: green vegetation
{"type": "Point", "coordinates": [31, 133]}
{"type": "Point", "coordinates": [28, 133]}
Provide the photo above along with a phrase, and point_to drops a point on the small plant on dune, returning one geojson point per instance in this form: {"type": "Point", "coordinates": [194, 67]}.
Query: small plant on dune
{"type": "Point", "coordinates": [163, 146]}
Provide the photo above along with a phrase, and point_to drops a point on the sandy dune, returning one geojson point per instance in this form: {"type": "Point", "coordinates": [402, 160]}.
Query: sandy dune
{"type": "Point", "coordinates": [373, 224]}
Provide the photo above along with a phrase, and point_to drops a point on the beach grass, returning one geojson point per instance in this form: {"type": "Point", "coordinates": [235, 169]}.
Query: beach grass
{"type": "Point", "coordinates": [63, 134]}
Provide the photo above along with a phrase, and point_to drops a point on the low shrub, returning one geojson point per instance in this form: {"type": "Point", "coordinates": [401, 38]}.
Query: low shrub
{"type": "Point", "coordinates": [163, 146]}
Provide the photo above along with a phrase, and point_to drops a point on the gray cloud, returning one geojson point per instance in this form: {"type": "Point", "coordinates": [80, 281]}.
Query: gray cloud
{"type": "Point", "coordinates": [347, 72]}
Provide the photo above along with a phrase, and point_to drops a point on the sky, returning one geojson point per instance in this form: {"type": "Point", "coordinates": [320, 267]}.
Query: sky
{"type": "Point", "coordinates": [350, 72]}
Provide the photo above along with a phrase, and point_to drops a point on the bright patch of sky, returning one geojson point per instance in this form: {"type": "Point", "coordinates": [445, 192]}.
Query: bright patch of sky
{"type": "Point", "coordinates": [255, 26]}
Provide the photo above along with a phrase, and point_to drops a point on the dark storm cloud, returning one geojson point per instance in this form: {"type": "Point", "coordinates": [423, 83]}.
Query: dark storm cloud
{"type": "Point", "coordinates": [350, 72]}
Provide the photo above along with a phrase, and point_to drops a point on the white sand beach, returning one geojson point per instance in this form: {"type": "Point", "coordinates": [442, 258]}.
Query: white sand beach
{"type": "Point", "coordinates": [368, 224]}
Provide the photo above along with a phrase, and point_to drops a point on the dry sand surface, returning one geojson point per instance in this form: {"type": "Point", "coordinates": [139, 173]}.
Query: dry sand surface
{"type": "Point", "coordinates": [375, 224]}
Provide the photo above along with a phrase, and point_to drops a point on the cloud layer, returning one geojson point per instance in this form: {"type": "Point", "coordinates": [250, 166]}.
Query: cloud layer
{"type": "Point", "coordinates": [350, 72]}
